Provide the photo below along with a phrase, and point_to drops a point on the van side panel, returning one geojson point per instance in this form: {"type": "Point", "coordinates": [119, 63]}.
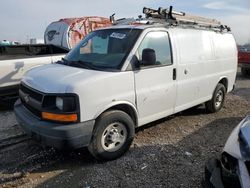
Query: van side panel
{"type": "Point", "coordinates": [225, 59]}
{"type": "Point", "coordinates": [223, 63]}
{"type": "Point", "coordinates": [203, 59]}
{"type": "Point", "coordinates": [194, 50]}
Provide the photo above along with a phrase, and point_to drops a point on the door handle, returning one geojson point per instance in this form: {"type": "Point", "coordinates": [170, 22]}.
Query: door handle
{"type": "Point", "coordinates": [174, 74]}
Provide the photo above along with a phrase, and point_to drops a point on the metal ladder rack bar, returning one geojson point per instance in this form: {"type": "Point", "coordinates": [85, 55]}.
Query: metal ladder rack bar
{"type": "Point", "coordinates": [172, 18]}
{"type": "Point", "coordinates": [180, 18]}
{"type": "Point", "coordinates": [198, 20]}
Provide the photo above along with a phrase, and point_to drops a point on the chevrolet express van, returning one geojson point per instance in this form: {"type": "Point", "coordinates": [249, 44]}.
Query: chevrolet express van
{"type": "Point", "coordinates": [122, 77]}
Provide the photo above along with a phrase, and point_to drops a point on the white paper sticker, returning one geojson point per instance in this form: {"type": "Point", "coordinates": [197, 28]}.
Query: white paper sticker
{"type": "Point", "coordinates": [118, 35]}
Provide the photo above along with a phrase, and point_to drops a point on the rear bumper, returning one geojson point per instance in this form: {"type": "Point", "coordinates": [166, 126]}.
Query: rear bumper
{"type": "Point", "coordinates": [70, 136]}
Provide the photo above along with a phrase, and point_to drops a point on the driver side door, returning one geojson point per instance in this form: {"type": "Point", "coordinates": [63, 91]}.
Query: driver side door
{"type": "Point", "coordinates": [155, 84]}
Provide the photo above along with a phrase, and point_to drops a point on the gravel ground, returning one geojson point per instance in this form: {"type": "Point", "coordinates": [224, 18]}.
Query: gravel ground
{"type": "Point", "coordinates": [168, 153]}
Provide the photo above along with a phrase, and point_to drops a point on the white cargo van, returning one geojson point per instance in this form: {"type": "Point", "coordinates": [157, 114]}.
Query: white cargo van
{"type": "Point", "coordinates": [123, 77]}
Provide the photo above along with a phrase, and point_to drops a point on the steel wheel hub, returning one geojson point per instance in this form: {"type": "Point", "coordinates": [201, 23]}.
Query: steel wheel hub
{"type": "Point", "coordinates": [219, 99]}
{"type": "Point", "coordinates": [113, 137]}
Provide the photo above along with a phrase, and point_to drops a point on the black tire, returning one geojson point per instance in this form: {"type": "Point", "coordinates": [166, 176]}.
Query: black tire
{"type": "Point", "coordinates": [99, 145]}
{"type": "Point", "coordinates": [245, 71]}
{"type": "Point", "coordinates": [217, 101]}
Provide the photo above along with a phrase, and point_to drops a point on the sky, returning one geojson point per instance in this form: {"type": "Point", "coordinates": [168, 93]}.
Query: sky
{"type": "Point", "coordinates": [21, 20]}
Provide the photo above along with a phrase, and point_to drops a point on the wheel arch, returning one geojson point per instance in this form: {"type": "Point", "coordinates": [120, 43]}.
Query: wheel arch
{"type": "Point", "coordinates": [224, 81]}
{"type": "Point", "coordinates": [124, 106]}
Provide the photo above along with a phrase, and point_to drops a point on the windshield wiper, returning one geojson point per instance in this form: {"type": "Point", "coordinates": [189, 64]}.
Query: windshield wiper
{"type": "Point", "coordinates": [80, 64]}
{"type": "Point", "coordinates": [62, 62]}
{"type": "Point", "coordinates": [83, 64]}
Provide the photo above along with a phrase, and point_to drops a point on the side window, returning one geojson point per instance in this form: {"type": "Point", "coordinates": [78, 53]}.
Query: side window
{"type": "Point", "coordinates": [155, 42]}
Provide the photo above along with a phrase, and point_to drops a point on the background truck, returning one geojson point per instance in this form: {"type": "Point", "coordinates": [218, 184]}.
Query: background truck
{"type": "Point", "coordinates": [16, 60]}
{"type": "Point", "coordinates": [244, 61]}
{"type": "Point", "coordinates": [59, 37]}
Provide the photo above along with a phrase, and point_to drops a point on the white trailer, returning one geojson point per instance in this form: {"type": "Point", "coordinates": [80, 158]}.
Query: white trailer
{"type": "Point", "coordinates": [68, 32]}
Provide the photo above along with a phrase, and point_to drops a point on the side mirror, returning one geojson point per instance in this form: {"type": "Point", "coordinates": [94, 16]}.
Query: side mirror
{"type": "Point", "coordinates": [148, 57]}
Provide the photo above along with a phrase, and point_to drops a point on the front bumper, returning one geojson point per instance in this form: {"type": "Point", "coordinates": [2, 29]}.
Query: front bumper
{"type": "Point", "coordinates": [70, 136]}
{"type": "Point", "coordinates": [213, 173]}
{"type": "Point", "coordinates": [217, 176]}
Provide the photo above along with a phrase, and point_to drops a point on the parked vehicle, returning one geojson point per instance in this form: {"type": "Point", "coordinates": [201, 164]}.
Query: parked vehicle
{"type": "Point", "coordinates": [123, 77]}
{"type": "Point", "coordinates": [17, 60]}
{"type": "Point", "coordinates": [5, 43]}
{"type": "Point", "coordinates": [244, 61]}
{"type": "Point", "coordinates": [68, 32]}
{"type": "Point", "coordinates": [233, 168]}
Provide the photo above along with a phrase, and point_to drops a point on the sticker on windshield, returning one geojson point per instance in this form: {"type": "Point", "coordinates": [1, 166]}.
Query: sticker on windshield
{"type": "Point", "coordinates": [118, 35]}
{"type": "Point", "coordinates": [86, 48]}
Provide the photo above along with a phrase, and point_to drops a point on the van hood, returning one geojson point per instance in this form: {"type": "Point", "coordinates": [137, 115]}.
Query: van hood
{"type": "Point", "coordinates": [56, 78]}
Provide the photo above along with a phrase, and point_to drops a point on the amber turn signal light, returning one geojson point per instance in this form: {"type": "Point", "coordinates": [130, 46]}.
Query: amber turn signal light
{"type": "Point", "coordinates": [59, 117]}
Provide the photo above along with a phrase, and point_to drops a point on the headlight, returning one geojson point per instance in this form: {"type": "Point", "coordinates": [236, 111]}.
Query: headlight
{"type": "Point", "coordinates": [61, 108]}
{"type": "Point", "coordinates": [229, 162]}
{"type": "Point", "coordinates": [66, 104]}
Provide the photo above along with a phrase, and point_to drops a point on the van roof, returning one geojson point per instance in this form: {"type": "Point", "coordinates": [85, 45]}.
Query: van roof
{"type": "Point", "coordinates": [139, 26]}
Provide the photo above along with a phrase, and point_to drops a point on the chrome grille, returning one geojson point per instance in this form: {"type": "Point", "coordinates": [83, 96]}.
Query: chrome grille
{"type": "Point", "coordinates": [31, 99]}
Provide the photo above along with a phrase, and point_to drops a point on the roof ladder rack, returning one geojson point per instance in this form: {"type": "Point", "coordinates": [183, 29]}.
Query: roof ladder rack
{"type": "Point", "coordinates": [180, 18]}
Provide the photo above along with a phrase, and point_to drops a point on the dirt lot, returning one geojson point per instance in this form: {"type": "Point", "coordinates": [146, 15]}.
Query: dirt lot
{"type": "Point", "coordinates": [167, 153]}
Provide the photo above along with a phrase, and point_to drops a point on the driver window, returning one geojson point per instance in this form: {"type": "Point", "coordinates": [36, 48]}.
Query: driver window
{"type": "Point", "coordinates": [157, 41]}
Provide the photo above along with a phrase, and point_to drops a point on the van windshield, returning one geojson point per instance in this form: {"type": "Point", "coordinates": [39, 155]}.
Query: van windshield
{"type": "Point", "coordinates": [103, 49]}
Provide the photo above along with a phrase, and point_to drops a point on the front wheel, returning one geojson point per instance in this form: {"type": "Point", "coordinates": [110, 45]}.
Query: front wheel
{"type": "Point", "coordinates": [217, 101]}
{"type": "Point", "coordinates": [113, 134]}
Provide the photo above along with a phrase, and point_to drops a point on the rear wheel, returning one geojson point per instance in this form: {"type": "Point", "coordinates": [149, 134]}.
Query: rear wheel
{"type": "Point", "coordinates": [217, 101]}
{"type": "Point", "coordinates": [113, 134]}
